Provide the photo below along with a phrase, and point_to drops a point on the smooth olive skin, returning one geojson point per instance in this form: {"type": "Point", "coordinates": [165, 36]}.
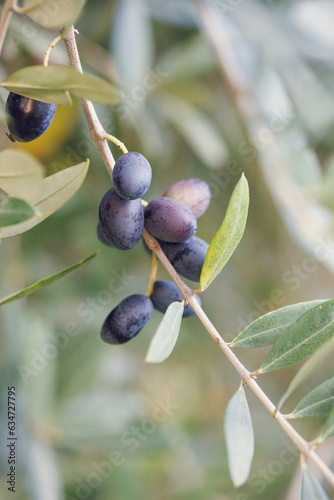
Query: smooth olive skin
{"type": "Point", "coordinates": [169, 220]}
{"type": "Point", "coordinates": [121, 221]}
{"type": "Point", "coordinates": [127, 319]}
{"type": "Point", "coordinates": [187, 257]}
{"type": "Point", "coordinates": [28, 119]}
{"type": "Point", "coordinates": [132, 175]}
{"type": "Point", "coordinates": [100, 236]}
{"type": "Point", "coordinates": [194, 193]}
{"type": "Point", "coordinates": [166, 292]}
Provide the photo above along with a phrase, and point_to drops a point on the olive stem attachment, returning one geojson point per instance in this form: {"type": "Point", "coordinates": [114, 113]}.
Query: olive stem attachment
{"type": "Point", "coordinates": [50, 47]}
{"type": "Point", "coordinates": [116, 141]}
{"type": "Point", "coordinates": [153, 275]}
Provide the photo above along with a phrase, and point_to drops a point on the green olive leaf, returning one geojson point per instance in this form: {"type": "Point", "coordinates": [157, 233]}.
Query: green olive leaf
{"type": "Point", "coordinates": [52, 13]}
{"type": "Point", "coordinates": [317, 402]}
{"type": "Point", "coordinates": [329, 427]}
{"type": "Point", "coordinates": [302, 338]}
{"type": "Point", "coordinates": [229, 234]}
{"type": "Point", "coordinates": [21, 174]}
{"type": "Point", "coordinates": [56, 190]}
{"type": "Point", "coordinates": [266, 329]}
{"type": "Point", "coordinates": [46, 281]}
{"type": "Point", "coordinates": [14, 210]}
{"type": "Point", "coordinates": [53, 83]}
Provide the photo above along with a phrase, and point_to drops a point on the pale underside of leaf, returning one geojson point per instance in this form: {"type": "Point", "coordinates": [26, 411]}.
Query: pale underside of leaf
{"type": "Point", "coordinates": [52, 13]}
{"type": "Point", "coordinates": [164, 340]}
{"type": "Point", "coordinates": [239, 437]}
{"type": "Point", "coordinates": [311, 488]}
{"type": "Point", "coordinates": [20, 174]}
{"type": "Point", "coordinates": [56, 190]}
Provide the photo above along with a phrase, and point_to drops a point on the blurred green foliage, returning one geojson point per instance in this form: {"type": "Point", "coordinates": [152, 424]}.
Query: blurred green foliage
{"type": "Point", "coordinates": [94, 420]}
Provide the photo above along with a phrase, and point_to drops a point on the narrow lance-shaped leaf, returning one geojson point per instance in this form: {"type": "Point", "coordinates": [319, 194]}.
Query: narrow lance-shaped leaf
{"type": "Point", "coordinates": [46, 281]}
{"type": "Point", "coordinates": [14, 210]}
{"type": "Point", "coordinates": [311, 488]}
{"type": "Point", "coordinates": [317, 402]}
{"type": "Point", "coordinates": [239, 437]}
{"type": "Point", "coordinates": [265, 330]}
{"type": "Point", "coordinates": [21, 174]}
{"type": "Point", "coordinates": [307, 369]}
{"type": "Point", "coordinates": [56, 190]}
{"type": "Point", "coordinates": [229, 234]}
{"type": "Point", "coordinates": [52, 84]}
{"type": "Point", "coordinates": [52, 13]}
{"type": "Point", "coordinates": [329, 427]}
{"type": "Point", "coordinates": [301, 339]}
{"type": "Point", "coordinates": [164, 340]}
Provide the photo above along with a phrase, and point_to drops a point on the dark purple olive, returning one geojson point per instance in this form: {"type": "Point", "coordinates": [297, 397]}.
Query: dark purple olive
{"type": "Point", "coordinates": [132, 175]}
{"type": "Point", "coordinates": [100, 235]}
{"type": "Point", "coordinates": [187, 257]}
{"type": "Point", "coordinates": [127, 319]}
{"type": "Point", "coordinates": [28, 119]}
{"type": "Point", "coordinates": [166, 292]}
{"type": "Point", "coordinates": [193, 193]}
{"type": "Point", "coordinates": [121, 221]}
{"type": "Point", "coordinates": [169, 220]}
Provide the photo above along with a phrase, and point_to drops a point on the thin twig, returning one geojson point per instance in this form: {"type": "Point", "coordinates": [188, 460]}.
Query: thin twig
{"type": "Point", "coordinates": [50, 47]}
{"type": "Point", "coordinates": [117, 142]}
{"type": "Point", "coordinates": [97, 135]}
{"type": "Point", "coordinates": [97, 132]}
{"type": "Point", "coordinates": [9, 7]}
{"type": "Point", "coordinates": [153, 275]}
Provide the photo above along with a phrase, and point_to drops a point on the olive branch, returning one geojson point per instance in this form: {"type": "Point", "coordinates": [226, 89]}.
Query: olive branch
{"type": "Point", "coordinates": [98, 135]}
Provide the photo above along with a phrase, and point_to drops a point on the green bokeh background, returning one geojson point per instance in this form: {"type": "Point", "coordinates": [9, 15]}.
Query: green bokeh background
{"type": "Point", "coordinates": [84, 400]}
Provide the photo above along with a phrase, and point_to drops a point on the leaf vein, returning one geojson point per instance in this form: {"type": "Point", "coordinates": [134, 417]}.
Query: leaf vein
{"type": "Point", "coordinates": [275, 361]}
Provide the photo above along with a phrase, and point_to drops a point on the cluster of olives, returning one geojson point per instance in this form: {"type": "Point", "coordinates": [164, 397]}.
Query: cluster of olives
{"type": "Point", "coordinates": [171, 219]}
{"type": "Point", "coordinates": [27, 119]}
